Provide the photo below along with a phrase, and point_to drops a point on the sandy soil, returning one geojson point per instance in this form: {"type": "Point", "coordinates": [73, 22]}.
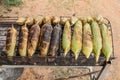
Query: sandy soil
{"type": "Point", "coordinates": [107, 8]}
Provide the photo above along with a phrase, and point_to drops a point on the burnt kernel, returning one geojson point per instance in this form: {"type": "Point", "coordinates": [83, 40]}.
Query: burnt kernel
{"type": "Point", "coordinates": [43, 45]}
{"type": "Point", "coordinates": [9, 34]}
{"type": "Point", "coordinates": [8, 47]}
{"type": "Point", "coordinates": [20, 46]}
{"type": "Point", "coordinates": [8, 41]}
{"type": "Point", "coordinates": [46, 36]}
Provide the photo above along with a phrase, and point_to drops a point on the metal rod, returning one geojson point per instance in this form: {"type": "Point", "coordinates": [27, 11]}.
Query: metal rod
{"type": "Point", "coordinates": [31, 66]}
{"type": "Point", "coordinates": [103, 71]}
{"type": "Point", "coordinates": [76, 76]}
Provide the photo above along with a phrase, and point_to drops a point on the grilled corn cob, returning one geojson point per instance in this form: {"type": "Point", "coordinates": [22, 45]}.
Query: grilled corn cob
{"type": "Point", "coordinates": [76, 43]}
{"type": "Point", "coordinates": [21, 21]}
{"type": "Point", "coordinates": [33, 39]}
{"type": "Point", "coordinates": [107, 41]}
{"type": "Point", "coordinates": [46, 32]}
{"type": "Point", "coordinates": [97, 41]}
{"type": "Point", "coordinates": [87, 40]}
{"type": "Point", "coordinates": [66, 38]}
{"type": "Point", "coordinates": [54, 43]}
{"type": "Point", "coordinates": [23, 41]}
{"type": "Point", "coordinates": [11, 41]}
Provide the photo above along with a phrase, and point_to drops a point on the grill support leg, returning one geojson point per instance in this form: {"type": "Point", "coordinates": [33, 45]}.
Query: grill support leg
{"type": "Point", "coordinates": [92, 76]}
{"type": "Point", "coordinates": [103, 71]}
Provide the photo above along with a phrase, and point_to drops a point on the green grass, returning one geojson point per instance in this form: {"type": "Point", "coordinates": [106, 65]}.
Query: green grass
{"type": "Point", "coordinates": [13, 2]}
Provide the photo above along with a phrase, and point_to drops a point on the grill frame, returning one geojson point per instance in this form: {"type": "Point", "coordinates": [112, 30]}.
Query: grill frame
{"type": "Point", "coordinates": [47, 61]}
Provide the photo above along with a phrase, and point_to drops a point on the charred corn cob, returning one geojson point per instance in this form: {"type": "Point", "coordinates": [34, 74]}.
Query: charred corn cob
{"type": "Point", "coordinates": [76, 43]}
{"type": "Point", "coordinates": [23, 41]}
{"type": "Point", "coordinates": [46, 32]}
{"type": "Point", "coordinates": [21, 21]}
{"type": "Point", "coordinates": [11, 41]}
{"type": "Point", "coordinates": [54, 43]}
{"type": "Point", "coordinates": [97, 41]}
{"type": "Point", "coordinates": [33, 39]}
{"type": "Point", "coordinates": [66, 38]}
{"type": "Point", "coordinates": [87, 40]}
{"type": "Point", "coordinates": [107, 41]}
{"type": "Point", "coordinates": [30, 21]}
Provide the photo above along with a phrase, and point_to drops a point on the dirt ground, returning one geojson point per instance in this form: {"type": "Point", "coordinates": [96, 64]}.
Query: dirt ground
{"type": "Point", "coordinates": [106, 8]}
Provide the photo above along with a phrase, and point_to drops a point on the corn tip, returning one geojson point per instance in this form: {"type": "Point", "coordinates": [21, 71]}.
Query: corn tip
{"type": "Point", "coordinates": [76, 56]}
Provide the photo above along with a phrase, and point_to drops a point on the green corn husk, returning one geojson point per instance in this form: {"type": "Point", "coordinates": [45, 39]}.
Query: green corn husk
{"type": "Point", "coordinates": [23, 41]}
{"type": "Point", "coordinates": [11, 41]}
{"type": "Point", "coordinates": [66, 38]}
{"type": "Point", "coordinates": [107, 41]}
{"type": "Point", "coordinates": [97, 40]}
{"type": "Point", "coordinates": [76, 43]}
{"type": "Point", "coordinates": [87, 40]}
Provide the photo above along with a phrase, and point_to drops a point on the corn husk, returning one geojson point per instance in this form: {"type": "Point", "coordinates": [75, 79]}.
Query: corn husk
{"type": "Point", "coordinates": [34, 34]}
{"type": "Point", "coordinates": [87, 40]}
{"type": "Point", "coordinates": [55, 40]}
{"type": "Point", "coordinates": [107, 41]}
{"type": "Point", "coordinates": [23, 41]}
{"type": "Point", "coordinates": [46, 32]}
{"type": "Point", "coordinates": [11, 41]}
{"type": "Point", "coordinates": [76, 43]}
{"type": "Point", "coordinates": [66, 38]}
{"type": "Point", "coordinates": [97, 40]}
